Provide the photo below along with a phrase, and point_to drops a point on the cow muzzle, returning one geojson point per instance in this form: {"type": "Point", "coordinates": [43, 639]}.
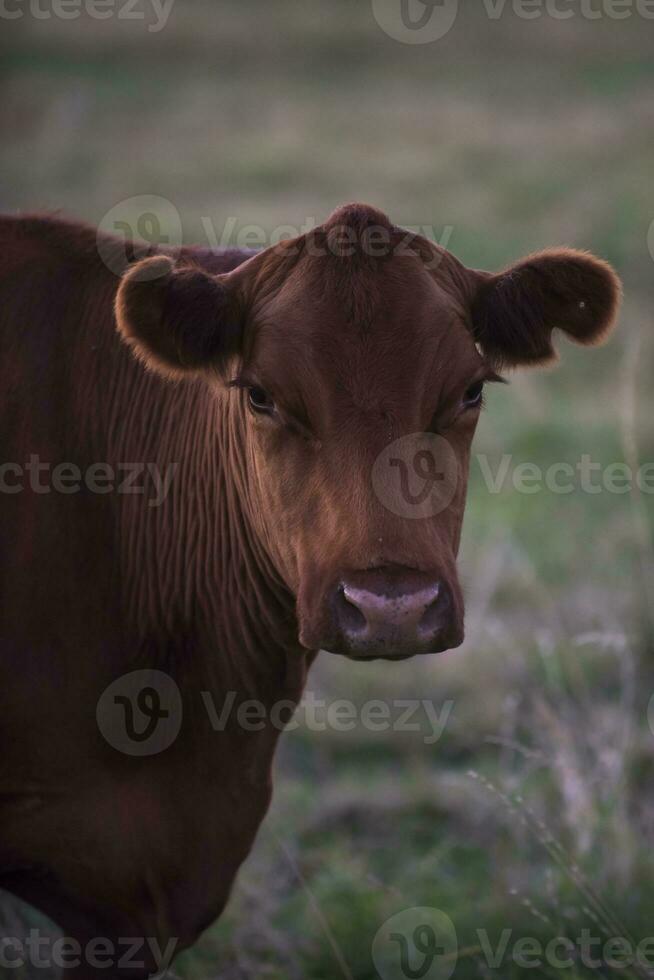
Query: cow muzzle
{"type": "Point", "coordinates": [394, 613]}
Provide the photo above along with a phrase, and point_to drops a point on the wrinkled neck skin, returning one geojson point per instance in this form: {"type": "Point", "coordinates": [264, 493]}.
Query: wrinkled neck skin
{"type": "Point", "coordinates": [201, 592]}
{"type": "Point", "coordinates": [190, 592]}
{"type": "Point", "coordinates": [185, 587]}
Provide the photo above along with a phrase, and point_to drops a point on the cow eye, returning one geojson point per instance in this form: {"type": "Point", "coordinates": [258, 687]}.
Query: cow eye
{"type": "Point", "coordinates": [260, 401]}
{"type": "Point", "coordinates": [474, 395]}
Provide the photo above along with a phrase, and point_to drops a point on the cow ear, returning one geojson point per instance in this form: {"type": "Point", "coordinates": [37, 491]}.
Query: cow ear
{"type": "Point", "coordinates": [176, 320]}
{"type": "Point", "coordinates": [515, 312]}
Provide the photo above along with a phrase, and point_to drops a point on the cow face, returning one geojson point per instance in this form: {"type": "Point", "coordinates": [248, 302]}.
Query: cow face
{"type": "Point", "coordinates": [352, 362]}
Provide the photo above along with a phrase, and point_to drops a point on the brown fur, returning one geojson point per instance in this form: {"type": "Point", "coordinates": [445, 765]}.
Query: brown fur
{"type": "Point", "coordinates": [226, 585]}
{"type": "Point", "coordinates": [516, 311]}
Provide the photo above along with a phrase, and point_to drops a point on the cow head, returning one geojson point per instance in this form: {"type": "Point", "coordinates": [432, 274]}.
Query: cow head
{"type": "Point", "coordinates": [352, 361]}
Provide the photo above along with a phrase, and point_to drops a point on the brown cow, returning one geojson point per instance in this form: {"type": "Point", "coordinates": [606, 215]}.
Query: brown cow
{"type": "Point", "coordinates": [270, 386]}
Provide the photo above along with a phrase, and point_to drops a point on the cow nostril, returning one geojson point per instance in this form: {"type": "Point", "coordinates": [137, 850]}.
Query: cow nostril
{"type": "Point", "coordinates": [436, 612]}
{"type": "Point", "coordinates": [350, 617]}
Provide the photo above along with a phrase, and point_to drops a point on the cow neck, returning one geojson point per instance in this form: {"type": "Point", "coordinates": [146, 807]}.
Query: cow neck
{"type": "Point", "coordinates": [195, 579]}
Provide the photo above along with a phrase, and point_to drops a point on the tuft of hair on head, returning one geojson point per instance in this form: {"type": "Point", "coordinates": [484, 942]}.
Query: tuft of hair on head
{"type": "Point", "coordinates": [358, 217]}
{"type": "Point", "coordinates": [357, 231]}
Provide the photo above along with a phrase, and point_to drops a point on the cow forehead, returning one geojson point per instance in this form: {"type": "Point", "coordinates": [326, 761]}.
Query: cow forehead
{"type": "Point", "coordinates": [402, 324]}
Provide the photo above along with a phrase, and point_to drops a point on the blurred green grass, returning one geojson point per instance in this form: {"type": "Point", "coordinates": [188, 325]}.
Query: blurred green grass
{"type": "Point", "coordinates": [516, 135]}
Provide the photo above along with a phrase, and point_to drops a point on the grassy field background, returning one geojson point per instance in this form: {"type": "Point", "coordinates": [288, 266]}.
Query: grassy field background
{"type": "Point", "coordinates": [534, 812]}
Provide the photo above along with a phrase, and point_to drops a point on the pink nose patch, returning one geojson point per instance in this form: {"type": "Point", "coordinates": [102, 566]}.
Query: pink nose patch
{"type": "Point", "coordinates": [403, 612]}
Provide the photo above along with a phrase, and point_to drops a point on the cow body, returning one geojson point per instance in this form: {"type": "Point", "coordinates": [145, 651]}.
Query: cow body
{"type": "Point", "coordinates": [96, 585]}
{"type": "Point", "coordinates": [267, 545]}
